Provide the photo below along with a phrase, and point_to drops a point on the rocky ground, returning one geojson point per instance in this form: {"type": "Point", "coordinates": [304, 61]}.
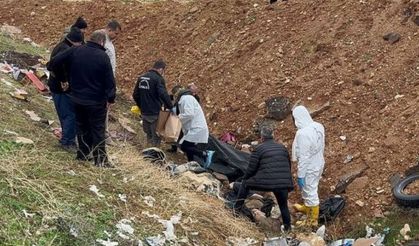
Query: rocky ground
{"type": "Point", "coordinates": [240, 53]}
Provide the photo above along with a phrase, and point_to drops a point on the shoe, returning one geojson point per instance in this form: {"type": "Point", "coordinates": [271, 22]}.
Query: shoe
{"type": "Point", "coordinates": [69, 148]}
{"type": "Point", "coordinates": [300, 208]}
{"type": "Point", "coordinates": [208, 159]}
{"type": "Point", "coordinates": [312, 219]}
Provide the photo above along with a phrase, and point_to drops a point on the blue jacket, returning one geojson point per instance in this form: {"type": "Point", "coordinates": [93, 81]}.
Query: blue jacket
{"type": "Point", "coordinates": [90, 74]}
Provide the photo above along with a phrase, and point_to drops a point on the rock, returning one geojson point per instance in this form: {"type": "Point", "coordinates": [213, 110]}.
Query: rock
{"type": "Point", "coordinates": [348, 178]}
{"type": "Point", "coordinates": [392, 37]}
{"type": "Point", "coordinates": [193, 10]}
{"type": "Point", "coordinates": [360, 203]}
{"type": "Point", "coordinates": [371, 149]}
{"type": "Point", "coordinates": [378, 213]}
{"type": "Point", "coordinates": [279, 107]}
{"type": "Point", "coordinates": [10, 30]}
{"type": "Point", "coordinates": [348, 159]}
{"type": "Point", "coordinates": [358, 184]}
{"type": "Point", "coordinates": [343, 138]}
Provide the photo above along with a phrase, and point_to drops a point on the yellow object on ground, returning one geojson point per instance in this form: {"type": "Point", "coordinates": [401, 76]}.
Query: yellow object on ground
{"type": "Point", "coordinates": [136, 110]}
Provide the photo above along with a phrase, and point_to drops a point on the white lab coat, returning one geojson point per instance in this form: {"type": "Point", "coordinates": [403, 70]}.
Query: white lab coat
{"type": "Point", "coordinates": [308, 151]}
{"type": "Point", "coordinates": [194, 125]}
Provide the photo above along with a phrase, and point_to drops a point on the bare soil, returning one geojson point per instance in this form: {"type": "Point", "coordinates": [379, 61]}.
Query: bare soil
{"type": "Point", "coordinates": [242, 52]}
{"type": "Point", "coordinates": [412, 188]}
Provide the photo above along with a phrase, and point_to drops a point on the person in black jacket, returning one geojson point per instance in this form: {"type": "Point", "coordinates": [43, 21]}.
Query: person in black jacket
{"type": "Point", "coordinates": [92, 91]}
{"type": "Point", "coordinates": [59, 87]}
{"type": "Point", "coordinates": [149, 95]}
{"type": "Point", "coordinates": [269, 170]}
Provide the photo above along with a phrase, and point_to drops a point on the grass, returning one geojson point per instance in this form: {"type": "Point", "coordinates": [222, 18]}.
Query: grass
{"type": "Point", "coordinates": [45, 196]}
{"type": "Point", "coordinates": [7, 43]}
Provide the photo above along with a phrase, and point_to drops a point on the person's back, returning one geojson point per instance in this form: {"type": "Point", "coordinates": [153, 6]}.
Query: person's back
{"type": "Point", "coordinates": [147, 93]}
{"type": "Point", "coordinates": [274, 169]}
{"type": "Point", "coordinates": [91, 77]}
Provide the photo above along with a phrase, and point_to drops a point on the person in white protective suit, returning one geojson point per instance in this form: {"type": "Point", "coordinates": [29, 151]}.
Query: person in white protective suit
{"type": "Point", "coordinates": [194, 127]}
{"type": "Point", "coordinates": [308, 151]}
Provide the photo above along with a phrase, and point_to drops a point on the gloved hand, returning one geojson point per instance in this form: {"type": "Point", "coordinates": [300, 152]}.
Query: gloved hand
{"type": "Point", "coordinates": [301, 183]}
{"type": "Point", "coordinates": [173, 110]}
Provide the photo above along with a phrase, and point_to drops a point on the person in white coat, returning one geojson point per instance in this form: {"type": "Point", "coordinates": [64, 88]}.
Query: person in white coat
{"type": "Point", "coordinates": [194, 127]}
{"type": "Point", "coordinates": [308, 151]}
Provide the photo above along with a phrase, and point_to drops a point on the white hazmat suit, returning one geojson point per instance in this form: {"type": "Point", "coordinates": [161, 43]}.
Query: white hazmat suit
{"type": "Point", "coordinates": [308, 151]}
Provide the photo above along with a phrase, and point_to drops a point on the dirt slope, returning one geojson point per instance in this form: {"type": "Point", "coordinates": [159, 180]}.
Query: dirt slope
{"type": "Point", "coordinates": [241, 52]}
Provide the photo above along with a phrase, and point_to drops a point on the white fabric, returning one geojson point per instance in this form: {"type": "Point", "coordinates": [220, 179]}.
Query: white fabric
{"type": "Point", "coordinates": [194, 125]}
{"type": "Point", "coordinates": [110, 51]}
{"type": "Point", "coordinates": [308, 151]}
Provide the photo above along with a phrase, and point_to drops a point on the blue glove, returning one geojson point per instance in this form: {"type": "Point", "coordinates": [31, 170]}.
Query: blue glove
{"type": "Point", "coordinates": [301, 183]}
{"type": "Point", "coordinates": [173, 110]}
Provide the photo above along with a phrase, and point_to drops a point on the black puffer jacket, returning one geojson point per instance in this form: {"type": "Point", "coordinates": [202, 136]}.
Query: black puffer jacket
{"type": "Point", "coordinates": [269, 168]}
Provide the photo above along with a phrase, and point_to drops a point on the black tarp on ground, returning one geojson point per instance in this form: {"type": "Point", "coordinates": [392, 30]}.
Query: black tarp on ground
{"type": "Point", "coordinates": [227, 160]}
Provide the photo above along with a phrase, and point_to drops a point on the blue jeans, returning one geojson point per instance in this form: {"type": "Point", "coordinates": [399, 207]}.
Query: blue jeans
{"type": "Point", "coordinates": [67, 117]}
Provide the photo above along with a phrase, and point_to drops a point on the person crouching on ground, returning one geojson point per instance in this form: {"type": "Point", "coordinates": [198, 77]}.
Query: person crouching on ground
{"type": "Point", "coordinates": [269, 170]}
{"type": "Point", "coordinates": [149, 93]}
{"type": "Point", "coordinates": [194, 128]}
{"type": "Point", "coordinates": [59, 87]}
{"type": "Point", "coordinates": [308, 151]}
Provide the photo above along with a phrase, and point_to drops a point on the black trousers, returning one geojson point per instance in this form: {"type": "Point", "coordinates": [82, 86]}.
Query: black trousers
{"type": "Point", "coordinates": [281, 196]}
{"type": "Point", "coordinates": [91, 125]}
{"type": "Point", "coordinates": [193, 149]}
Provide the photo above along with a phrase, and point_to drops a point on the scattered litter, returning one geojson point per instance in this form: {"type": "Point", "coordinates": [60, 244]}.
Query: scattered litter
{"type": "Point", "coordinates": [321, 231]}
{"type": "Point", "coordinates": [405, 231]}
{"type": "Point", "coordinates": [154, 216]}
{"type": "Point", "coordinates": [124, 227]}
{"type": "Point", "coordinates": [19, 94]}
{"type": "Point", "coordinates": [38, 84]}
{"type": "Point", "coordinates": [7, 82]}
{"type": "Point", "coordinates": [311, 239]}
{"type": "Point", "coordinates": [398, 96]}
{"type": "Point", "coordinates": [107, 233]}
{"type": "Point", "coordinates": [369, 230]}
{"type": "Point", "coordinates": [106, 243]}
{"type": "Point", "coordinates": [23, 140]}
{"type": "Point", "coordinates": [156, 241]}
{"type": "Point", "coordinates": [5, 68]}
{"type": "Point", "coordinates": [123, 197]}
{"type": "Point", "coordinates": [73, 231]}
{"type": "Point", "coordinates": [33, 116]}
{"type": "Point", "coordinates": [10, 132]}
{"type": "Point", "coordinates": [48, 98]}
{"type": "Point", "coordinates": [343, 242]}
{"type": "Point", "coordinates": [234, 241]}
{"type": "Point", "coordinates": [190, 166]}
{"type": "Point", "coordinates": [169, 233]}
{"type": "Point", "coordinates": [27, 215]}
{"type": "Point", "coordinates": [276, 241]}
{"type": "Point", "coordinates": [71, 173]}
{"type": "Point", "coordinates": [95, 190]}
{"type": "Point", "coordinates": [149, 200]}
{"type": "Point", "coordinates": [203, 182]}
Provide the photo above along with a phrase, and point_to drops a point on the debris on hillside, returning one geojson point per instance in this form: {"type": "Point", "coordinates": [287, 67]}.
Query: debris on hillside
{"type": "Point", "coordinates": [125, 229]}
{"type": "Point", "coordinates": [95, 190]}
{"type": "Point", "coordinates": [22, 140]}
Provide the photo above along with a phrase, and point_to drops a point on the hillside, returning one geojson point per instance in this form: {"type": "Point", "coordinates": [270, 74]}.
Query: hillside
{"type": "Point", "coordinates": [242, 52]}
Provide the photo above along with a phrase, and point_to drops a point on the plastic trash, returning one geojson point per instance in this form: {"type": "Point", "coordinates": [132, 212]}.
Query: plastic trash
{"type": "Point", "coordinates": [321, 231]}
{"type": "Point", "coordinates": [343, 242]}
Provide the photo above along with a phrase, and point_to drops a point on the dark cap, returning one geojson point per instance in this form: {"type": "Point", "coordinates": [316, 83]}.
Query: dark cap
{"type": "Point", "coordinates": [80, 23]}
{"type": "Point", "coordinates": [75, 35]}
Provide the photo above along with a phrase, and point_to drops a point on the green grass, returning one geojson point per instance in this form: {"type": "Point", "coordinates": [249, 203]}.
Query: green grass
{"type": "Point", "coordinates": [7, 43]}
